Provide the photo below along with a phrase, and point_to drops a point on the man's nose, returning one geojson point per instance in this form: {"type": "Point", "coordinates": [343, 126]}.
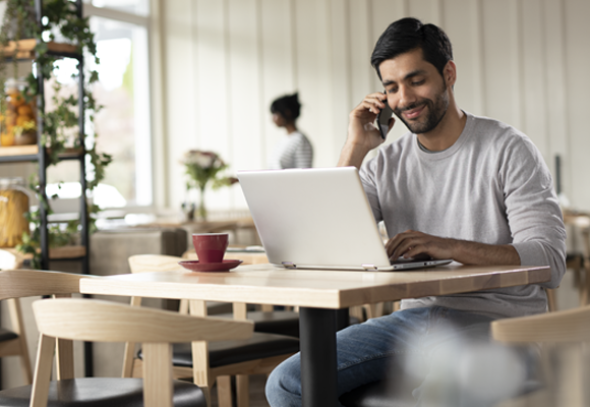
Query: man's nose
{"type": "Point", "coordinates": [407, 97]}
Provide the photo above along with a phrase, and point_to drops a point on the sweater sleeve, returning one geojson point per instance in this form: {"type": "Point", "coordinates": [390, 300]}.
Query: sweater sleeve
{"type": "Point", "coordinates": [368, 180]}
{"type": "Point", "coordinates": [532, 209]}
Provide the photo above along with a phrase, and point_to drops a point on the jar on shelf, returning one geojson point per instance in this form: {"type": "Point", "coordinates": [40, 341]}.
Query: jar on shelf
{"type": "Point", "coordinates": [18, 123]}
{"type": "Point", "coordinates": [14, 202]}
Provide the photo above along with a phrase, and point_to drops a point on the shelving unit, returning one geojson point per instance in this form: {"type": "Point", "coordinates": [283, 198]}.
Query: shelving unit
{"type": "Point", "coordinates": [25, 51]}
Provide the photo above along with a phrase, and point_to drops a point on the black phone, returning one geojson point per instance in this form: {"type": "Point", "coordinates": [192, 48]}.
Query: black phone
{"type": "Point", "coordinates": [383, 120]}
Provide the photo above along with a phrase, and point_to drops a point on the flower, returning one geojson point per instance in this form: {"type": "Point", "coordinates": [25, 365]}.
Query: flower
{"type": "Point", "coordinates": [203, 167]}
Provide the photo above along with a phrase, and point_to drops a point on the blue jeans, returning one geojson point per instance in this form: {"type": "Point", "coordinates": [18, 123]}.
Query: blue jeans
{"type": "Point", "coordinates": [381, 347]}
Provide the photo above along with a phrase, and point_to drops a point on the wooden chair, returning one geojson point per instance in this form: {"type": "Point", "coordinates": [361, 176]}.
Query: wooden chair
{"type": "Point", "coordinates": [63, 320]}
{"type": "Point", "coordinates": [215, 362]}
{"type": "Point", "coordinates": [14, 342]}
{"type": "Point", "coordinates": [15, 284]}
{"type": "Point", "coordinates": [565, 335]}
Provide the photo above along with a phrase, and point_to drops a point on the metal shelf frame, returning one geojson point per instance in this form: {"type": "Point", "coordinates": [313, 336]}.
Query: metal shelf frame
{"type": "Point", "coordinates": [42, 157]}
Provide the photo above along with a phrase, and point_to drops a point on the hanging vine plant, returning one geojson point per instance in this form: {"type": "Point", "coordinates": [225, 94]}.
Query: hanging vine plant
{"type": "Point", "coordinates": [61, 19]}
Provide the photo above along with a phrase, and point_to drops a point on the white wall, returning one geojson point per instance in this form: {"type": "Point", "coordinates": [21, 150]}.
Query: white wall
{"type": "Point", "coordinates": [526, 62]}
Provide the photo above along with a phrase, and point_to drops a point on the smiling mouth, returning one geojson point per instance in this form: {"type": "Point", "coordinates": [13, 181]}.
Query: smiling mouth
{"type": "Point", "coordinates": [413, 113]}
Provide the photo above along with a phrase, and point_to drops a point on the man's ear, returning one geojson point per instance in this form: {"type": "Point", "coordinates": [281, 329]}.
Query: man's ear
{"type": "Point", "coordinates": [450, 73]}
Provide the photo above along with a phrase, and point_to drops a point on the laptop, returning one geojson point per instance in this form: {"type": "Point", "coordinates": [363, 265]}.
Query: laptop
{"type": "Point", "coordinates": [318, 219]}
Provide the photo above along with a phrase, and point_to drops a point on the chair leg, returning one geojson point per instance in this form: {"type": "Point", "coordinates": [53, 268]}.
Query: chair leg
{"type": "Point", "coordinates": [224, 391]}
{"type": "Point", "coordinates": [43, 367]}
{"type": "Point", "coordinates": [18, 327]}
{"type": "Point", "coordinates": [551, 300]}
{"type": "Point", "coordinates": [357, 311]}
{"type": "Point", "coordinates": [243, 390]}
{"type": "Point", "coordinates": [157, 375]}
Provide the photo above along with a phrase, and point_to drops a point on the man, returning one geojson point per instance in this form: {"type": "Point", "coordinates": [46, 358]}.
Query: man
{"type": "Point", "coordinates": [457, 186]}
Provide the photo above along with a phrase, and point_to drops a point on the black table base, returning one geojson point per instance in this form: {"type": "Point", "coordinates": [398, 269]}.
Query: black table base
{"type": "Point", "coordinates": [317, 336]}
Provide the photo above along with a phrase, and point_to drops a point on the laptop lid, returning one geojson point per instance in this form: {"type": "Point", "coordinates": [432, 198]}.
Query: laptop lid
{"type": "Point", "coordinates": [315, 218]}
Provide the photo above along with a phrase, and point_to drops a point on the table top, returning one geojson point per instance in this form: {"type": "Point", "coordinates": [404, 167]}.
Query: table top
{"type": "Point", "coordinates": [267, 284]}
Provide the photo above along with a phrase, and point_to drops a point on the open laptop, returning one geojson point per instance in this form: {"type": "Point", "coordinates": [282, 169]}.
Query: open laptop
{"type": "Point", "coordinates": [318, 219]}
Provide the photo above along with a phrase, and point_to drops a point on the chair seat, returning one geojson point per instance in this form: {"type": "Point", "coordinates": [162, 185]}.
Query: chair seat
{"type": "Point", "coordinates": [222, 353]}
{"type": "Point", "coordinates": [272, 322]}
{"type": "Point", "coordinates": [100, 392]}
{"type": "Point", "coordinates": [6, 335]}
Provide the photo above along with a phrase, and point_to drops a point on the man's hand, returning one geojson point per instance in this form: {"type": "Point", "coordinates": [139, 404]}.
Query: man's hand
{"type": "Point", "coordinates": [363, 136]}
{"type": "Point", "coordinates": [414, 244]}
{"type": "Point", "coordinates": [411, 244]}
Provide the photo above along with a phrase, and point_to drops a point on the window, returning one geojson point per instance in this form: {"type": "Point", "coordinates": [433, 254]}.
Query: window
{"type": "Point", "coordinates": [123, 125]}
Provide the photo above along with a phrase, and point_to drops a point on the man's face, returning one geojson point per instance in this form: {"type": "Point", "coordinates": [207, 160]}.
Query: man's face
{"type": "Point", "coordinates": [416, 91]}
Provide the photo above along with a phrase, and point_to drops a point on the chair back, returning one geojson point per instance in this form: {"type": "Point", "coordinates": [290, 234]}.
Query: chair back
{"type": "Point", "coordinates": [553, 327]}
{"type": "Point", "coordinates": [27, 283]}
{"type": "Point", "coordinates": [103, 321]}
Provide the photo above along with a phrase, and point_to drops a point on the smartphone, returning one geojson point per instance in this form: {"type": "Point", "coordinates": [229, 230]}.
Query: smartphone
{"type": "Point", "coordinates": [383, 120]}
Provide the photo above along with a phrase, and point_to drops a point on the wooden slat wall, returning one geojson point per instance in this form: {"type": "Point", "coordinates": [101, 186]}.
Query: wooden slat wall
{"type": "Point", "coordinates": [525, 62]}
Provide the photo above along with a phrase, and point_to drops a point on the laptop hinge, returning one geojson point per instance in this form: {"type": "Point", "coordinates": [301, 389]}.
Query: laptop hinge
{"type": "Point", "coordinates": [289, 265]}
{"type": "Point", "coordinates": [369, 266]}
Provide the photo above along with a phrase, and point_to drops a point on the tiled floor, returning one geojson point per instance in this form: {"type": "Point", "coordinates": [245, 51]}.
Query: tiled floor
{"type": "Point", "coordinates": [257, 398]}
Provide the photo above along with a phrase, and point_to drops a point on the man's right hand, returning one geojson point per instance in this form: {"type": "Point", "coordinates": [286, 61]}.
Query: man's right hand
{"type": "Point", "coordinates": [363, 136]}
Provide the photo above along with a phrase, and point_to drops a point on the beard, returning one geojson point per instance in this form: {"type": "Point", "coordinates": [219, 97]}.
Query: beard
{"type": "Point", "coordinates": [436, 111]}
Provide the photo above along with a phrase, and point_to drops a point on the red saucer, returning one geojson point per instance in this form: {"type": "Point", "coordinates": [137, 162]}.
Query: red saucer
{"type": "Point", "coordinates": [194, 265]}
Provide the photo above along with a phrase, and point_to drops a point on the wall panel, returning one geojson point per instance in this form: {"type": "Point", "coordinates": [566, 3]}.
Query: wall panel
{"type": "Point", "coordinates": [340, 74]}
{"type": "Point", "coordinates": [360, 50]}
{"type": "Point", "coordinates": [465, 54]}
{"type": "Point", "coordinates": [555, 84]}
{"type": "Point", "coordinates": [577, 53]}
{"type": "Point", "coordinates": [313, 54]}
{"type": "Point", "coordinates": [276, 69]}
{"type": "Point", "coordinates": [534, 93]}
{"type": "Point", "coordinates": [501, 77]}
{"type": "Point", "coordinates": [243, 116]}
{"type": "Point", "coordinates": [182, 124]}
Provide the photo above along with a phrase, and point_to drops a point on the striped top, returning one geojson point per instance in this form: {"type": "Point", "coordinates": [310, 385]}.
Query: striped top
{"type": "Point", "coordinates": [292, 151]}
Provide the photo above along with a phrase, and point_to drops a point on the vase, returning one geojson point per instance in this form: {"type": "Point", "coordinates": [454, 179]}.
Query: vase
{"type": "Point", "coordinates": [202, 209]}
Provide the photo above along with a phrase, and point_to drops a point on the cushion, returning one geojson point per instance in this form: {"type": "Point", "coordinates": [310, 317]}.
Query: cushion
{"type": "Point", "coordinates": [100, 392]}
{"type": "Point", "coordinates": [6, 335]}
{"type": "Point", "coordinates": [222, 353]}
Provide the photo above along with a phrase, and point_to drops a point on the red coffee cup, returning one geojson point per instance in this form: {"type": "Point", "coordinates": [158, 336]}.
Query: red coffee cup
{"type": "Point", "coordinates": [210, 247]}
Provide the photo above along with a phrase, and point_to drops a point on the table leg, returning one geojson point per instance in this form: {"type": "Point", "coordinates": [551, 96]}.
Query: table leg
{"type": "Point", "coordinates": [317, 336]}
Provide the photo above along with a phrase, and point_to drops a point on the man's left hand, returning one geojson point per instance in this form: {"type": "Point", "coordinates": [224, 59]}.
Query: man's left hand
{"type": "Point", "coordinates": [412, 244]}
{"type": "Point", "coordinates": [415, 244]}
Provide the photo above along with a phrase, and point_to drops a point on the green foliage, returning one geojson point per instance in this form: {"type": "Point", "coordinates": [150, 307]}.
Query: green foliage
{"type": "Point", "coordinates": [203, 167]}
{"type": "Point", "coordinates": [60, 18]}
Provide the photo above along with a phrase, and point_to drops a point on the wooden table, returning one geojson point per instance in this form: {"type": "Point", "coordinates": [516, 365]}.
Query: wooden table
{"type": "Point", "coordinates": [319, 294]}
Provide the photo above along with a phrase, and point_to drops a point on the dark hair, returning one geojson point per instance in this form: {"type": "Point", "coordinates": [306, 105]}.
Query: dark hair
{"type": "Point", "coordinates": [408, 34]}
{"type": "Point", "coordinates": [287, 106]}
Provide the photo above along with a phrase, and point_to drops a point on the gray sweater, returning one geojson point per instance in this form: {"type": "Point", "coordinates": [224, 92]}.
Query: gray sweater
{"type": "Point", "coordinates": [492, 186]}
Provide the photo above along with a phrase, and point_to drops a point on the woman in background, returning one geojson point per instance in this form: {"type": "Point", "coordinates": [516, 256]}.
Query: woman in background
{"type": "Point", "coordinates": [294, 150]}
